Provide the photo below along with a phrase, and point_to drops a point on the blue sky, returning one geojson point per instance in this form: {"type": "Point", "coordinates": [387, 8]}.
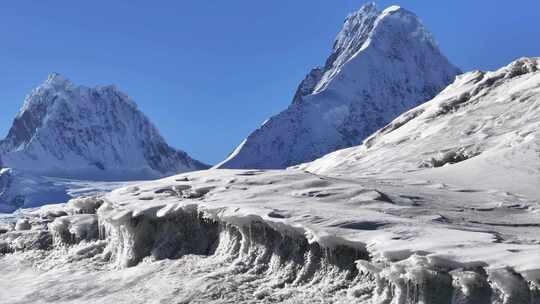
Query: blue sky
{"type": "Point", "coordinates": [209, 72]}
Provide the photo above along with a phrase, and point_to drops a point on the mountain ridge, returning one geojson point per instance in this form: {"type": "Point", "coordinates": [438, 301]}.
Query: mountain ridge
{"type": "Point", "coordinates": [481, 131]}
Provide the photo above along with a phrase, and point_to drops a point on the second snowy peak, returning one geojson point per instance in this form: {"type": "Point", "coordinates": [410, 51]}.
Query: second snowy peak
{"type": "Point", "coordinates": [382, 64]}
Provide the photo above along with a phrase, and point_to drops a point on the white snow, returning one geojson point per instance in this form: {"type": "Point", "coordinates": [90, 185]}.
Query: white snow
{"type": "Point", "coordinates": [22, 224]}
{"type": "Point", "coordinates": [439, 206]}
{"type": "Point", "coordinates": [232, 235]}
{"type": "Point", "coordinates": [480, 133]}
{"type": "Point", "coordinates": [391, 9]}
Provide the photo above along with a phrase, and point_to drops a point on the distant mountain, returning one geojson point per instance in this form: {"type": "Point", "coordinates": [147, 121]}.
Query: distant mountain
{"type": "Point", "coordinates": [483, 131]}
{"type": "Point", "coordinates": [70, 131]}
{"type": "Point", "coordinates": [382, 64]}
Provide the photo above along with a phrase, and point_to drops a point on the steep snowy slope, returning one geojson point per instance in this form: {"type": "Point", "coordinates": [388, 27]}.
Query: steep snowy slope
{"type": "Point", "coordinates": [482, 131]}
{"type": "Point", "coordinates": [382, 64]}
{"type": "Point", "coordinates": [97, 133]}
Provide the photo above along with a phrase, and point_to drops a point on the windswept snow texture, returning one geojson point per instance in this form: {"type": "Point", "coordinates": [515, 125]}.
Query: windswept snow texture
{"type": "Point", "coordinates": [482, 132]}
{"type": "Point", "coordinates": [382, 64]}
{"type": "Point", "coordinates": [97, 133]}
{"type": "Point", "coordinates": [284, 236]}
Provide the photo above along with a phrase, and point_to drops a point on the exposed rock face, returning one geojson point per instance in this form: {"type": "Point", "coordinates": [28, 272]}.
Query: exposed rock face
{"type": "Point", "coordinates": [382, 64]}
{"type": "Point", "coordinates": [97, 133]}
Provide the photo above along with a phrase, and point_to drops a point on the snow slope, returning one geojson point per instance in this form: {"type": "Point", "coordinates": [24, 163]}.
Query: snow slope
{"type": "Point", "coordinates": [285, 236]}
{"type": "Point", "coordinates": [382, 64]}
{"type": "Point", "coordinates": [64, 130]}
{"type": "Point", "coordinates": [483, 131]}
{"type": "Point", "coordinates": [440, 206]}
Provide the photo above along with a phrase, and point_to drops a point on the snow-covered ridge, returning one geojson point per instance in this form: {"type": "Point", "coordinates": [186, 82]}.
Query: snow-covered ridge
{"type": "Point", "coordinates": [281, 236]}
{"type": "Point", "coordinates": [382, 64]}
{"type": "Point", "coordinates": [482, 130]}
{"type": "Point", "coordinates": [65, 130]}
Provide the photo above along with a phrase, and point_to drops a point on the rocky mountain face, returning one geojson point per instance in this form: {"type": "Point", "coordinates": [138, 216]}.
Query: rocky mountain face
{"type": "Point", "coordinates": [64, 130]}
{"type": "Point", "coordinates": [382, 64]}
{"type": "Point", "coordinates": [483, 131]}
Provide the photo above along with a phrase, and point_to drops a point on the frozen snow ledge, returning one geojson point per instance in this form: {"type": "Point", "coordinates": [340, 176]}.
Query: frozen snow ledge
{"type": "Point", "coordinates": [204, 215]}
{"type": "Point", "coordinates": [259, 247]}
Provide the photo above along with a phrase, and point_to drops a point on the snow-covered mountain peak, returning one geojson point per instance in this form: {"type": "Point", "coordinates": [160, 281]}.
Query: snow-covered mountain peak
{"type": "Point", "coordinates": [368, 10]}
{"type": "Point", "coordinates": [55, 84]}
{"type": "Point", "coordinates": [370, 26]}
{"type": "Point", "coordinates": [354, 33]}
{"type": "Point", "coordinates": [382, 64]}
{"type": "Point", "coordinates": [57, 79]}
{"type": "Point", "coordinates": [62, 89]}
{"type": "Point", "coordinates": [400, 18]}
{"type": "Point", "coordinates": [76, 131]}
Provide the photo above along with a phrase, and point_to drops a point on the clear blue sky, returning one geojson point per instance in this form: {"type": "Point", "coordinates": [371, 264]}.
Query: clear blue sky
{"type": "Point", "coordinates": [208, 72]}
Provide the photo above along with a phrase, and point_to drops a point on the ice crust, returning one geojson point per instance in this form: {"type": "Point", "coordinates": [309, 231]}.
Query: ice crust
{"type": "Point", "coordinates": [280, 236]}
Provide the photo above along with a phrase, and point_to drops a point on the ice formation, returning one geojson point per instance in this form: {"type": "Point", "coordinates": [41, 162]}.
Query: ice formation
{"type": "Point", "coordinates": [278, 236]}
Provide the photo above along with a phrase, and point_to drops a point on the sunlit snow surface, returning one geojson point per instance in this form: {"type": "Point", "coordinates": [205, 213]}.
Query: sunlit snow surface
{"type": "Point", "coordinates": [280, 236]}
{"type": "Point", "coordinates": [440, 206]}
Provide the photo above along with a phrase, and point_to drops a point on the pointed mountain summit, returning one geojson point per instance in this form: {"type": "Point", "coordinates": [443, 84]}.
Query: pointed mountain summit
{"type": "Point", "coordinates": [64, 130]}
{"type": "Point", "coordinates": [382, 64]}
